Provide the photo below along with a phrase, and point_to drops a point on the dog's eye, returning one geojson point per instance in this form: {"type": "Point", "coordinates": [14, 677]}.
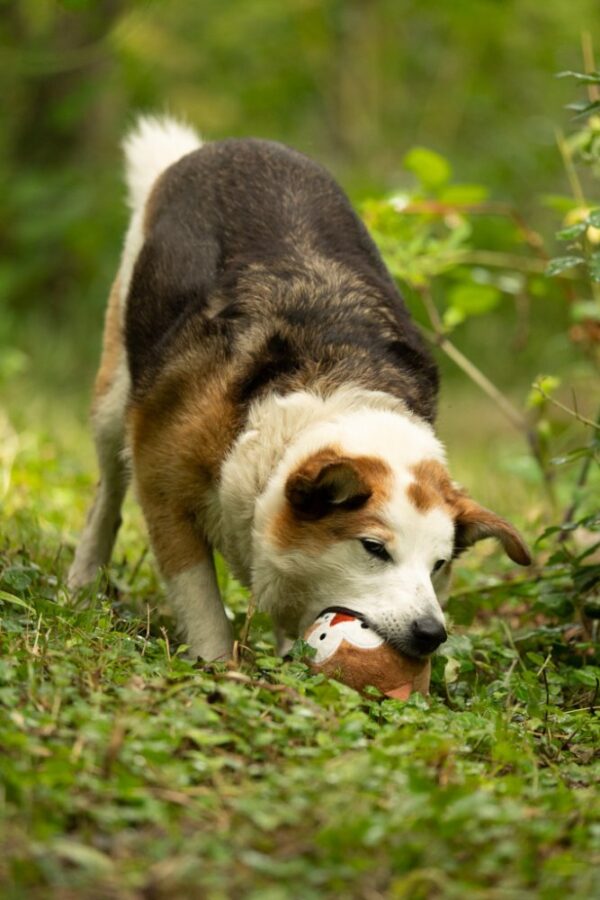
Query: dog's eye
{"type": "Point", "coordinates": [376, 548]}
{"type": "Point", "coordinates": [438, 565]}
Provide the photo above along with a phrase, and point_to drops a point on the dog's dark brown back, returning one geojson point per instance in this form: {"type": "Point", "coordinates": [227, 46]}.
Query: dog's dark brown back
{"type": "Point", "coordinates": [252, 249]}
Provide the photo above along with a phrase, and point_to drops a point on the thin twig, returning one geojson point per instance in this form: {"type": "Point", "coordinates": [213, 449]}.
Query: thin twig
{"type": "Point", "coordinates": [147, 633]}
{"type": "Point", "coordinates": [587, 51]}
{"type": "Point", "coordinates": [592, 706]}
{"type": "Point", "coordinates": [511, 643]}
{"type": "Point", "coordinates": [243, 641]}
{"type": "Point", "coordinates": [490, 588]}
{"type": "Point", "coordinates": [570, 169]}
{"type": "Point", "coordinates": [565, 744]}
{"type": "Point", "coordinates": [507, 678]}
{"type": "Point", "coordinates": [546, 707]}
{"type": "Point", "coordinates": [494, 258]}
{"type": "Point", "coordinates": [487, 208]}
{"type": "Point", "coordinates": [138, 565]}
{"type": "Point", "coordinates": [572, 412]}
{"type": "Point", "coordinates": [516, 418]}
{"type": "Point", "coordinates": [579, 484]}
{"type": "Point", "coordinates": [544, 664]}
{"type": "Point", "coordinates": [163, 631]}
{"type": "Point", "coordinates": [502, 260]}
{"type": "Point", "coordinates": [476, 375]}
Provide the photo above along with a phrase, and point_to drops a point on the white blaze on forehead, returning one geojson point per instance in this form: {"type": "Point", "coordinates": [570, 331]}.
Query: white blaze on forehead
{"type": "Point", "coordinates": [331, 628]}
{"type": "Point", "coordinates": [397, 438]}
{"type": "Point", "coordinates": [419, 536]}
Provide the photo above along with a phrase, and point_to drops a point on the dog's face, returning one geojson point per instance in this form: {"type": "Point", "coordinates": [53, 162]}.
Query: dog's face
{"type": "Point", "coordinates": [374, 535]}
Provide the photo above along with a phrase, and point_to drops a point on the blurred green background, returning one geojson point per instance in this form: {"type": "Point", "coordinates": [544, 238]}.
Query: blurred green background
{"type": "Point", "coordinates": [354, 83]}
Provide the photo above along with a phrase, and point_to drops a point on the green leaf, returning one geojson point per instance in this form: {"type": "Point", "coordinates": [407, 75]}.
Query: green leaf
{"type": "Point", "coordinates": [432, 170]}
{"type": "Point", "coordinates": [594, 218]}
{"type": "Point", "coordinates": [594, 266]}
{"type": "Point", "coordinates": [584, 310]}
{"type": "Point", "coordinates": [538, 286]}
{"type": "Point", "coordinates": [588, 676]}
{"type": "Point", "coordinates": [83, 856]}
{"type": "Point", "coordinates": [584, 108]}
{"type": "Point", "coordinates": [18, 578]}
{"type": "Point", "coordinates": [584, 77]}
{"type": "Point", "coordinates": [464, 194]}
{"type": "Point", "coordinates": [562, 263]}
{"type": "Point", "coordinates": [572, 232]}
{"type": "Point", "coordinates": [560, 203]}
{"type": "Point", "coordinates": [452, 317]}
{"type": "Point", "coordinates": [5, 597]}
{"type": "Point", "coordinates": [548, 383]}
{"type": "Point", "coordinates": [543, 383]}
{"type": "Point", "coordinates": [573, 456]}
{"type": "Point", "coordinates": [473, 299]}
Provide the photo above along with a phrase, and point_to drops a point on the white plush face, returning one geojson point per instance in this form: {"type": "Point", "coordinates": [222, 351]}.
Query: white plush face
{"type": "Point", "coordinates": [361, 514]}
{"type": "Point", "coordinates": [332, 628]}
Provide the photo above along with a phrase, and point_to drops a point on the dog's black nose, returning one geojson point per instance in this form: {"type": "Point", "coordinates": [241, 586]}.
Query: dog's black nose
{"type": "Point", "coordinates": [427, 634]}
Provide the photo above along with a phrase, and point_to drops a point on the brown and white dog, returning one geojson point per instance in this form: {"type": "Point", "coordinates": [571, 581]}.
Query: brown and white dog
{"type": "Point", "coordinates": [264, 384]}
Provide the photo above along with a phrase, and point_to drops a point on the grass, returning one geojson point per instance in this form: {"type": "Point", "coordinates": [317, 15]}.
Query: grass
{"type": "Point", "coordinates": [126, 771]}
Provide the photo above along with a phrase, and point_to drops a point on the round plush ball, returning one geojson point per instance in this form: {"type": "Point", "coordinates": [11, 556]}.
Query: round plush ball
{"type": "Point", "coordinates": [347, 649]}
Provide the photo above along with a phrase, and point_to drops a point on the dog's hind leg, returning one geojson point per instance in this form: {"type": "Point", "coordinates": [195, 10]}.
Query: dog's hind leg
{"type": "Point", "coordinates": [108, 422]}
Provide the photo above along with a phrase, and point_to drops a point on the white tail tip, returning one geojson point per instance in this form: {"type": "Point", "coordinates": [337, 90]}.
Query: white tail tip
{"type": "Point", "coordinates": [154, 144]}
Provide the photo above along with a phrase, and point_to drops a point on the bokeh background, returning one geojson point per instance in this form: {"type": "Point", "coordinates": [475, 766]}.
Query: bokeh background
{"type": "Point", "coordinates": [356, 84]}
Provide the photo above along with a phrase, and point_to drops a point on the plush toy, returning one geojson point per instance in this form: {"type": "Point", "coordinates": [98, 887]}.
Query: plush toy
{"type": "Point", "coordinates": [348, 650]}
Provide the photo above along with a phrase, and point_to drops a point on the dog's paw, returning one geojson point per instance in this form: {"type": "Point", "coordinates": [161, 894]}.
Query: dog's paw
{"type": "Point", "coordinates": [80, 576]}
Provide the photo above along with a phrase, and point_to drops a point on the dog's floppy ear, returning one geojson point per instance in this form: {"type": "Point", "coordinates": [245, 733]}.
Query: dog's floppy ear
{"type": "Point", "coordinates": [474, 522]}
{"type": "Point", "coordinates": [325, 483]}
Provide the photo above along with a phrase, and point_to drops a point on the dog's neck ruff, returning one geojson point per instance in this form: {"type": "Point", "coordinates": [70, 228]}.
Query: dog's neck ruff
{"type": "Point", "coordinates": [280, 432]}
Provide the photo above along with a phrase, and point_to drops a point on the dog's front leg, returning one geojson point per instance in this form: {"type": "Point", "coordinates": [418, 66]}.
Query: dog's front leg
{"type": "Point", "coordinates": [186, 563]}
{"type": "Point", "coordinates": [194, 594]}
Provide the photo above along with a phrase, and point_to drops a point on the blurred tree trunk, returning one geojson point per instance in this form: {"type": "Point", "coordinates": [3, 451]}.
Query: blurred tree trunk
{"type": "Point", "coordinates": [55, 61]}
{"type": "Point", "coordinates": [355, 88]}
{"type": "Point", "coordinates": [55, 69]}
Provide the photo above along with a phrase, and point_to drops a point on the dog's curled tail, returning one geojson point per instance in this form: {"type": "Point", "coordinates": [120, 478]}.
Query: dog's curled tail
{"type": "Point", "coordinates": [152, 145]}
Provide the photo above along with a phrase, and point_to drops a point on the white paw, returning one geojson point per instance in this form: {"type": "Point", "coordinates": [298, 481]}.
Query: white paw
{"type": "Point", "coordinates": [81, 574]}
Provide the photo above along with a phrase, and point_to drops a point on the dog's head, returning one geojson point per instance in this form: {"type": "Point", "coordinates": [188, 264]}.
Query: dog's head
{"type": "Point", "coordinates": [373, 531]}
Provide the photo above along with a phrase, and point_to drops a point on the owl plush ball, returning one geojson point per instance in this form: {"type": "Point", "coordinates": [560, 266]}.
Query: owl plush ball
{"type": "Point", "coordinates": [347, 649]}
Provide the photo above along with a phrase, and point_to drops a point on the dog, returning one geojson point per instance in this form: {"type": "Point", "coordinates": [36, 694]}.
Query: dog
{"type": "Point", "coordinates": [262, 381]}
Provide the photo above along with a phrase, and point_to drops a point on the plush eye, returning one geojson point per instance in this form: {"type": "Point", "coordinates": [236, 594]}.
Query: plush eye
{"type": "Point", "coordinates": [438, 565]}
{"type": "Point", "coordinates": [376, 548]}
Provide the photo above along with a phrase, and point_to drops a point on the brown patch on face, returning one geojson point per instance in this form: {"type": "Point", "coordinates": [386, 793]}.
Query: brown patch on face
{"type": "Point", "coordinates": [432, 487]}
{"type": "Point", "coordinates": [112, 344]}
{"type": "Point", "coordinates": [333, 497]}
